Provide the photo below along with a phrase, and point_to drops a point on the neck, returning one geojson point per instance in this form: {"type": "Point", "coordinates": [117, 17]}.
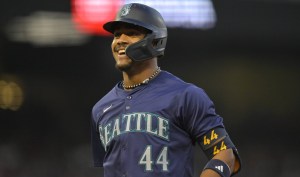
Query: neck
{"type": "Point", "coordinates": [139, 74]}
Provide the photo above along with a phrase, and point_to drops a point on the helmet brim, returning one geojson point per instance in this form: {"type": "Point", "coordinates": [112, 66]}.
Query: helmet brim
{"type": "Point", "coordinates": [112, 25]}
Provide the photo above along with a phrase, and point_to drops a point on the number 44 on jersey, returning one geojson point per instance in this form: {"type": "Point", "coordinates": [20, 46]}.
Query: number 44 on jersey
{"type": "Point", "coordinates": [147, 159]}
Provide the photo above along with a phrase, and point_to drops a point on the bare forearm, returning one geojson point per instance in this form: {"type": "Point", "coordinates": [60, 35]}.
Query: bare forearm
{"type": "Point", "coordinates": [226, 156]}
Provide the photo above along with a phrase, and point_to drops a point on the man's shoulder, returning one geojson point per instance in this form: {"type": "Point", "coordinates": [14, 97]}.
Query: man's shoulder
{"type": "Point", "coordinates": [176, 82]}
{"type": "Point", "coordinates": [170, 78]}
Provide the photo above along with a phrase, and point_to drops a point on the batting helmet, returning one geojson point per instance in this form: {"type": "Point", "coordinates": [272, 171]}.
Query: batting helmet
{"type": "Point", "coordinates": [154, 43]}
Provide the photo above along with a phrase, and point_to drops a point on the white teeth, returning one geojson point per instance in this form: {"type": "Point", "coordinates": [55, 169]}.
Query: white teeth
{"type": "Point", "coordinates": [121, 51]}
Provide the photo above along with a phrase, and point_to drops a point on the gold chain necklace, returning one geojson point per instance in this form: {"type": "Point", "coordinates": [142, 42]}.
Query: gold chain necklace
{"type": "Point", "coordinates": [143, 82]}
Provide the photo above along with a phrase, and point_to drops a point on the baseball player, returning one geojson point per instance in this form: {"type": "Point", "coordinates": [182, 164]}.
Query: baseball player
{"type": "Point", "coordinates": [150, 122]}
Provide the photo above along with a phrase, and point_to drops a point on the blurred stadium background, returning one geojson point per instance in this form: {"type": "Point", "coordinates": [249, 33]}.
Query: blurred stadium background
{"type": "Point", "coordinates": [53, 69]}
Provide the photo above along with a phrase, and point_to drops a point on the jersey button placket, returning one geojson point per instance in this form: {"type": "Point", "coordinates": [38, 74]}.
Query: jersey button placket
{"type": "Point", "coordinates": [128, 103]}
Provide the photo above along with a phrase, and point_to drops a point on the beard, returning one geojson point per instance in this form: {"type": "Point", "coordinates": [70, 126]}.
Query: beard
{"type": "Point", "coordinates": [125, 66]}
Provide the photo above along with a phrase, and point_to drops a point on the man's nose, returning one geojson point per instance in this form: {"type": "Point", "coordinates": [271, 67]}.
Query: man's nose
{"type": "Point", "coordinates": [123, 38]}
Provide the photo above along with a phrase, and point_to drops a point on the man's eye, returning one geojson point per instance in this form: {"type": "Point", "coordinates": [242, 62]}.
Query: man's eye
{"type": "Point", "coordinates": [117, 34]}
{"type": "Point", "coordinates": [133, 33]}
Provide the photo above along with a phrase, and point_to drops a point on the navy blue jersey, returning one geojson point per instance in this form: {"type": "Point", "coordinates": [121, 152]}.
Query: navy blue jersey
{"type": "Point", "coordinates": [151, 130]}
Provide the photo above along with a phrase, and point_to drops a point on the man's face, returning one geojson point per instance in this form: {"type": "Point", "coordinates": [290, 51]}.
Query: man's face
{"type": "Point", "coordinates": [124, 36]}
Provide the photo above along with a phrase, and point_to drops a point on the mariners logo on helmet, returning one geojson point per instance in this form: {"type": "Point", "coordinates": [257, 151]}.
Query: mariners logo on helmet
{"type": "Point", "coordinates": [125, 10]}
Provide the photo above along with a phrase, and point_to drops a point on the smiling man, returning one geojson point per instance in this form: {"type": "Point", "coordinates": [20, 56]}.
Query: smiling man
{"type": "Point", "coordinates": [124, 35]}
{"type": "Point", "coordinates": [150, 122]}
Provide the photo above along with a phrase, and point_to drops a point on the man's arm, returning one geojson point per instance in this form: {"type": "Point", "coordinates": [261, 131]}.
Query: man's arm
{"type": "Point", "coordinates": [226, 156]}
{"type": "Point", "coordinates": [224, 160]}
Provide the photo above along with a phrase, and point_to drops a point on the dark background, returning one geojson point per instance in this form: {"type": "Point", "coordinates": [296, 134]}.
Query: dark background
{"type": "Point", "coordinates": [248, 64]}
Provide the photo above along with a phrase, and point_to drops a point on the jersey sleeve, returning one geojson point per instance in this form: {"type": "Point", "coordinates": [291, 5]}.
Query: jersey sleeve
{"type": "Point", "coordinates": [98, 151]}
{"type": "Point", "coordinates": [198, 112]}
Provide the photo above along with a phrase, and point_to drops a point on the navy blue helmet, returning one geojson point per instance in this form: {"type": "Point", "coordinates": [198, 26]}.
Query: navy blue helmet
{"type": "Point", "coordinates": [153, 45]}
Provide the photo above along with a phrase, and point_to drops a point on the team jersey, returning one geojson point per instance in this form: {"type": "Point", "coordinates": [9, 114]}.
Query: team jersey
{"type": "Point", "coordinates": [152, 129]}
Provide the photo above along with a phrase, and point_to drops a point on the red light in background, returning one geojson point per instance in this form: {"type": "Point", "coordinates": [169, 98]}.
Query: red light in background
{"type": "Point", "coordinates": [90, 15]}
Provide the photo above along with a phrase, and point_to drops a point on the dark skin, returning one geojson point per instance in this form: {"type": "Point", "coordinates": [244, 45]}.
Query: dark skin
{"type": "Point", "coordinates": [135, 72]}
{"type": "Point", "coordinates": [226, 156]}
